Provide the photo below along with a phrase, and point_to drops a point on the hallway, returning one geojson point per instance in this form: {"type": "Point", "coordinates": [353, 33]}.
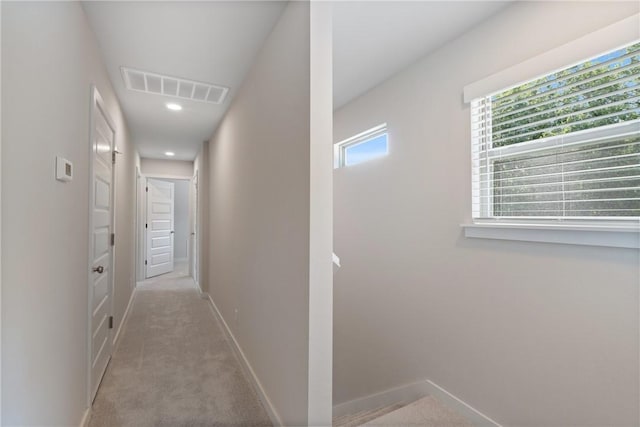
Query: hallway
{"type": "Point", "coordinates": [173, 365]}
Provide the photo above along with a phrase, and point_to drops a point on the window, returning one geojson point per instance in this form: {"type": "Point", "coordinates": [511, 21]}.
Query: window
{"type": "Point", "coordinates": [363, 147]}
{"type": "Point", "coordinates": [563, 146]}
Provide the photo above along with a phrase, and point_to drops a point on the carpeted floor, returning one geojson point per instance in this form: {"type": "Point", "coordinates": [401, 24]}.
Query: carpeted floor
{"type": "Point", "coordinates": [426, 412]}
{"type": "Point", "coordinates": [173, 365]}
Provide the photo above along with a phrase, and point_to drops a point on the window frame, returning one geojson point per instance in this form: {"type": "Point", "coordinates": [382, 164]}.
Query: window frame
{"type": "Point", "coordinates": [619, 232]}
{"type": "Point", "coordinates": [340, 148]}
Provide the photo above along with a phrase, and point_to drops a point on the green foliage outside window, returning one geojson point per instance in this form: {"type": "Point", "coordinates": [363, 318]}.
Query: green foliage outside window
{"type": "Point", "coordinates": [599, 179]}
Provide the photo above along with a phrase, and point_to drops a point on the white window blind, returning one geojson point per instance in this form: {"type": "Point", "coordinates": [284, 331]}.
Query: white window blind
{"type": "Point", "coordinates": [566, 145]}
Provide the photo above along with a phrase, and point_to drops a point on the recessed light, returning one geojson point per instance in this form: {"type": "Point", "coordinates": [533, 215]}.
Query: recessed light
{"type": "Point", "coordinates": [174, 107]}
{"type": "Point", "coordinates": [170, 153]}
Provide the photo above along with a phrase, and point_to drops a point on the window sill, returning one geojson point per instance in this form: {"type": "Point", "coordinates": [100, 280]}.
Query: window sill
{"type": "Point", "coordinates": [617, 236]}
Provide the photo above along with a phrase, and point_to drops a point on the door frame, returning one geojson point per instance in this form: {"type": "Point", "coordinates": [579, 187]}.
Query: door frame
{"type": "Point", "coordinates": [98, 102]}
{"type": "Point", "coordinates": [194, 201]}
{"type": "Point", "coordinates": [148, 221]}
{"type": "Point", "coordinates": [141, 214]}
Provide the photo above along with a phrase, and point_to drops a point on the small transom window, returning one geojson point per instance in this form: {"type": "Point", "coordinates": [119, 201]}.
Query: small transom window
{"type": "Point", "coordinates": [363, 147]}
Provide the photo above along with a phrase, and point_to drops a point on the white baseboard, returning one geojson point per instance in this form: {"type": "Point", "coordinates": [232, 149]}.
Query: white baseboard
{"type": "Point", "coordinates": [402, 394]}
{"type": "Point", "coordinates": [124, 317]}
{"type": "Point", "coordinates": [203, 295]}
{"type": "Point", "coordinates": [476, 417]}
{"type": "Point", "coordinates": [409, 393]}
{"type": "Point", "coordinates": [84, 422]}
{"type": "Point", "coordinates": [271, 410]}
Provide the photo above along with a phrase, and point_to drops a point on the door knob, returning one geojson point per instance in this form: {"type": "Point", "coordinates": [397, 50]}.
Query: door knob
{"type": "Point", "coordinates": [172, 231]}
{"type": "Point", "coordinates": [99, 269]}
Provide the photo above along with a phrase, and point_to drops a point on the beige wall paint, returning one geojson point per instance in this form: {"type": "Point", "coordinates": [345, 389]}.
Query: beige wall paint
{"type": "Point", "coordinates": [320, 216]}
{"type": "Point", "coordinates": [125, 215]}
{"type": "Point", "coordinates": [50, 60]}
{"type": "Point", "coordinates": [166, 168]}
{"type": "Point", "coordinates": [201, 168]}
{"type": "Point", "coordinates": [530, 334]}
{"type": "Point", "coordinates": [259, 215]}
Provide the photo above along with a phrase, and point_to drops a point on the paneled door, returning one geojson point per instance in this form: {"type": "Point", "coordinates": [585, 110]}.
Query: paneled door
{"type": "Point", "coordinates": [159, 227]}
{"type": "Point", "coordinates": [101, 245]}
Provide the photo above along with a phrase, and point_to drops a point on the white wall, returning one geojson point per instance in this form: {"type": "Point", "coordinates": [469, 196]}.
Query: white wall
{"type": "Point", "coordinates": [200, 166]}
{"type": "Point", "coordinates": [321, 216]}
{"type": "Point", "coordinates": [167, 168]}
{"type": "Point", "coordinates": [260, 232]}
{"type": "Point", "coordinates": [0, 217]}
{"type": "Point", "coordinates": [531, 334]}
{"type": "Point", "coordinates": [181, 218]}
{"type": "Point", "coordinates": [50, 60]}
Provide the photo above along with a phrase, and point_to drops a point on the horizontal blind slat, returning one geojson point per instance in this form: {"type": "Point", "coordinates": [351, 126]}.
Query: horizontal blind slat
{"type": "Point", "coordinates": [635, 88]}
{"type": "Point", "coordinates": [551, 148]}
{"type": "Point", "coordinates": [633, 52]}
{"type": "Point", "coordinates": [575, 123]}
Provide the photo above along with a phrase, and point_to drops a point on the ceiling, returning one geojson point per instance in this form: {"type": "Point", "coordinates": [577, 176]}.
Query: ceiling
{"type": "Point", "coordinates": [216, 41]}
{"type": "Point", "coordinates": [373, 40]}
{"type": "Point", "coordinates": [212, 42]}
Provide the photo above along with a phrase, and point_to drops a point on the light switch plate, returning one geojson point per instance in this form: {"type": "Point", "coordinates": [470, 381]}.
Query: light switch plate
{"type": "Point", "coordinates": [64, 169]}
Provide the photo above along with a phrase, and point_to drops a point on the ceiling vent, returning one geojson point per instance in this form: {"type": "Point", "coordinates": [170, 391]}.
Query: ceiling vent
{"type": "Point", "coordinates": [143, 81]}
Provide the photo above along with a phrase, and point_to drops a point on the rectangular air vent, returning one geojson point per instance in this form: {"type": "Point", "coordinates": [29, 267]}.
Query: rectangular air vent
{"type": "Point", "coordinates": [143, 81]}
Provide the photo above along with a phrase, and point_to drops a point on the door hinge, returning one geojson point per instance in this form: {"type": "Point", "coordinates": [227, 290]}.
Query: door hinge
{"type": "Point", "coordinates": [110, 322]}
{"type": "Point", "coordinates": [113, 239]}
{"type": "Point", "coordinates": [146, 189]}
{"type": "Point", "coordinates": [145, 262]}
{"type": "Point", "coordinates": [146, 226]}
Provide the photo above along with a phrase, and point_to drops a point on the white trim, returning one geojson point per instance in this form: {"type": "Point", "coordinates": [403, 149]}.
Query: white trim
{"type": "Point", "coordinates": [262, 394]}
{"type": "Point", "coordinates": [0, 221]}
{"type": "Point", "coordinates": [180, 259]}
{"type": "Point", "coordinates": [166, 176]}
{"type": "Point", "coordinates": [339, 148]}
{"type": "Point", "coordinates": [84, 422]}
{"type": "Point", "coordinates": [591, 45]}
{"type": "Point", "coordinates": [403, 394]}
{"type": "Point", "coordinates": [193, 227]}
{"type": "Point", "coordinates": [409, 393]}
{"type": "Point", "coordinates": [203, 294]}
{"type": "Point", "coordinates": [97, 103]}
{"type": "Point", "coordinates": [140, 217]}
{"type": "Point", "coordinates": [620, 236]}
{"type": "Point", "coordinates": [476, 417]}
{"type": "Point", "coordinates": [124, 317]}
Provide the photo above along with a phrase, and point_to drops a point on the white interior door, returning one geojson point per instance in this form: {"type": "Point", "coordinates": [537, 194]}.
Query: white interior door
{"type": "Point", "coordinates": [194, 229]}
{"type": "Point", "coordinates": [159, 227]}
{"type": "Point", "coordinates": [101, 246]}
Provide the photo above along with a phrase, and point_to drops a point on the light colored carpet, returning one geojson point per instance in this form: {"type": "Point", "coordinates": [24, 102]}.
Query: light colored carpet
{"type": "Point", "coordinates": [359, 418]}
{"type": "Point", "coordinates": [426, 412]}
{"type": "Point", "coordinates": [173, 365]}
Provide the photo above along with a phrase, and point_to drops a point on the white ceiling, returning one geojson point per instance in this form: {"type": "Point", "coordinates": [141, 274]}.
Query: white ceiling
{"type": "Point", "coordinates": [374, 40]}
{"type": "Point", "coordinates": [212, 42]}
{"type": "Point", "coordinates": [216, 42]}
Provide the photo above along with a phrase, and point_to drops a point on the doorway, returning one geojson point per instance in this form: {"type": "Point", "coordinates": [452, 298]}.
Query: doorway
{"type": "Point", "coordinates": [160, 228]}
{"type": "Point", "coordinates": [168, 226]}
{"type": "Point", "coordinates": [101, 241]}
